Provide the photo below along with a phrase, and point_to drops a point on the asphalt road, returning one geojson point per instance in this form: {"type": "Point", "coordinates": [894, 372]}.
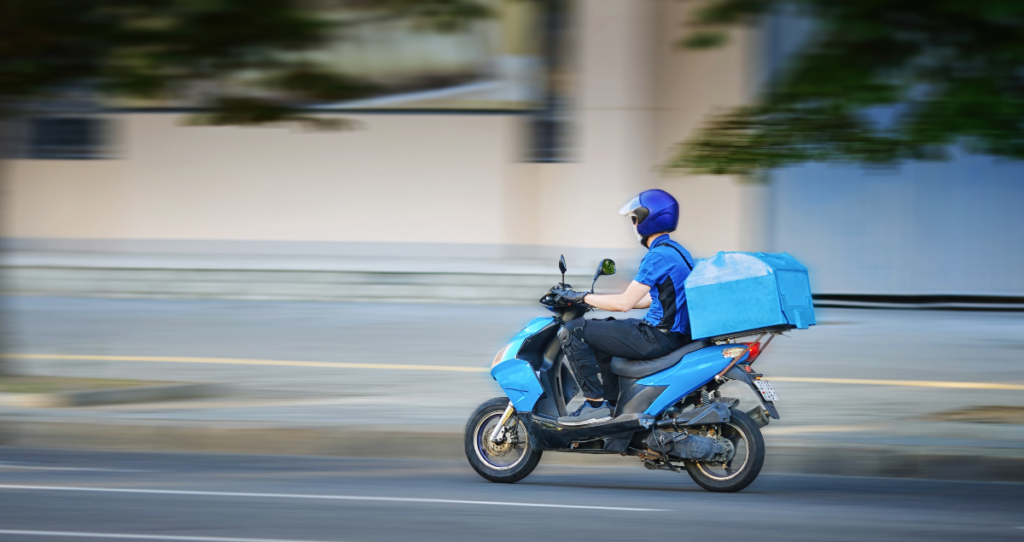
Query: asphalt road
{"type": "Point", "coordinates": [59, 496]}
{"type": "Point", "coordinates": [847, 344]}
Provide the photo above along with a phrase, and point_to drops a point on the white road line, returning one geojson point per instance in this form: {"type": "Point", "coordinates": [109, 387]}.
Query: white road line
{"type": "Point", "coordinates": [144, 536]}
{"type": "Point", "coordinates": [326, 497]}
{"type": "Point", "coordinates": [7, 466]}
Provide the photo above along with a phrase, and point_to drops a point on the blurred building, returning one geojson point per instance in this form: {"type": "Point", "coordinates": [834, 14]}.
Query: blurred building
{"type": "Point", "coordinates": [498, 147]}
{"type": "Point", "coordinates": [923, 234]}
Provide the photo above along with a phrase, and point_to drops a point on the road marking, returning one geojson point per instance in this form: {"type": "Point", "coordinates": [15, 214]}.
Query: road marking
{"type": "Point", "coordinates": [453, 368]}
{"type": "Point", "coordinates": [236, 361]}
{"type": "Point", "coordinates": [326, 497]}
{"type": "Point", "coordinates": [143, 536]}
{"type": "Point", "coordinates": [9, 466]}
{"type": "Point", "coordinates": [906, 383]}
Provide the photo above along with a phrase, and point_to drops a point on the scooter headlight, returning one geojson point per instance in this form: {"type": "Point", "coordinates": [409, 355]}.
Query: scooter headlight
{"type": "Point", "coordinates": [500, 356]}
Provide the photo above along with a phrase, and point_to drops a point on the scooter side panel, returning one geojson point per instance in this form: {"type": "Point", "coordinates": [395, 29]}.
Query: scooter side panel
{"type": "Point", "coordinates": [519, 382]}
{"type": "Point", "coordinates": [515, 376]}
{"type": "Point", "coordinates": [692, 372]}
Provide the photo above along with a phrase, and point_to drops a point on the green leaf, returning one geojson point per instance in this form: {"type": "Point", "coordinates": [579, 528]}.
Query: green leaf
{"type": "Point", "coordinates": [703, 40]}
{"type": "Point", "coordinates": [878, 82]}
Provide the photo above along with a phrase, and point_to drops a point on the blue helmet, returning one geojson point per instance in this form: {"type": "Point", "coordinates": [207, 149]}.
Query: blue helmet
{"type": "Point", "coordinates": [653, 211]}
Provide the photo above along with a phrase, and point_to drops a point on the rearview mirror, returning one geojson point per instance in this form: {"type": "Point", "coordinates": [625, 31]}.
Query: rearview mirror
{"type": "Point", "coordinates": [562, 268]}
{"type": "Point", "coordinates": [607, 267]}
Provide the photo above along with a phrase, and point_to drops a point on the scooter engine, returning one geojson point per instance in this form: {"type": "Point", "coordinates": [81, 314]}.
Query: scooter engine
{"type": "Point", "coordinates": [691, 447]}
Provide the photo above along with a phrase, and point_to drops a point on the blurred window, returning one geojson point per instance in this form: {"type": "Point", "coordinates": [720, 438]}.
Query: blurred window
{"type": "Point", "coordinates": [551, 140]}
{"type": "Point", "coordinates": [66, 138]}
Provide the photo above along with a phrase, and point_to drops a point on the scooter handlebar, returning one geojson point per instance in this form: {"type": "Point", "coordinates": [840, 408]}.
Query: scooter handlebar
{"type": "Point", "coordinates": [551, 298]}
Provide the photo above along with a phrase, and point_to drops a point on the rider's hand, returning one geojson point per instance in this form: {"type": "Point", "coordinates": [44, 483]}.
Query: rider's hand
{"type": "Point", "coordinates": [569, 296]}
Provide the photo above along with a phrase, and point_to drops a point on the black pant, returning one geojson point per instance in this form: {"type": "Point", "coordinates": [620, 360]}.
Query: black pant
{"type": "Point", "coordinates": [631, 339]}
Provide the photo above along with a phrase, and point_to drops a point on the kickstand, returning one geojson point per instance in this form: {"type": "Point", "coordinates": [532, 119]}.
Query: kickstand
{"type": "Point", "coordinates": [664, 457]}
{"type": "Point", "coordinates": [670, 465]}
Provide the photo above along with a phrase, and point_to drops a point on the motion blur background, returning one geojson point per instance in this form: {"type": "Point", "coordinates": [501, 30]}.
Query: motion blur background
{"type": "Point", "coordinates": [299, 271]}
{"type": "Point", "coordinates": [514, 138]}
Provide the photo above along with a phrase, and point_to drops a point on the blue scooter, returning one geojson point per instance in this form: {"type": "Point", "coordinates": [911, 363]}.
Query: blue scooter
{"type": "Point", "coordinates": [669, 412]}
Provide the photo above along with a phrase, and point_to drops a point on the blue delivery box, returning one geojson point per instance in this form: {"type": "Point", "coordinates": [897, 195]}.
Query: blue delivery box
{"type": "Point", "coordinates": [740, 291]}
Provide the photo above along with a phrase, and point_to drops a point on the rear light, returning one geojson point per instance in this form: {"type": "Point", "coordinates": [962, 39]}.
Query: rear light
{"type": "Point", "coordinates": [755, 350]}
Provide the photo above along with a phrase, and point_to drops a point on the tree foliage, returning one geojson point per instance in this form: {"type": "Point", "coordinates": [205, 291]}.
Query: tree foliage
{"type": "Point", "coordinates": [876, 82]}
{"type": "Point", "coordinates": [241, 61]}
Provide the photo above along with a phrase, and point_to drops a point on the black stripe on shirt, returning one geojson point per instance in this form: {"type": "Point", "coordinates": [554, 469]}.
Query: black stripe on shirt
{"type": "Point", "coordinates": [667, 297]}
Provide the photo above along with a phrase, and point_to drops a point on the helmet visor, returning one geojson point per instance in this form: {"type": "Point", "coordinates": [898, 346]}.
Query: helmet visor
{"type": "Point", "coordinates": [630, 207]}
{"type": "Point", "coordinates": [636, 212]}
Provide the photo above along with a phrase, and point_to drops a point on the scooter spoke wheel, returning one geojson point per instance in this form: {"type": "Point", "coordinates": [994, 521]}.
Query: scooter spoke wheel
{"type": "Point", "coordinates": [509, 460]}
{"type": "Point", "coordinates": [744, 466]}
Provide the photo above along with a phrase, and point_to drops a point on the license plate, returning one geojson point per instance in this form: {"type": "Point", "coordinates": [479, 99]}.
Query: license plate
{"type": "Point", "coordinates": [766, 389]}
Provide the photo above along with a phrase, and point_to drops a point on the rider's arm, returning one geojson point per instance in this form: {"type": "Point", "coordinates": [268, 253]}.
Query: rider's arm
{"type": "Point", "coordinates": [645, 302]}
{"type": "Point", "coordinates": [636, 296]}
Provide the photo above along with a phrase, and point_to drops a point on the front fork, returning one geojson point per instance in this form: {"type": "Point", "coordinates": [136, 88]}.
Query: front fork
{"type": "Point", "coordinates": [499, 430]}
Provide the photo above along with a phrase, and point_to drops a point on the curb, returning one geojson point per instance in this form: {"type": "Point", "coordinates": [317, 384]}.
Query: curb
{"type": "Point", "coordinates": [216, 438]}
{"type": "Point", "coordinates": [893, 462]}
{"type": "Point", "coordinates": [138, 394]}
{"type": "Point", "coordinates": [790, 457]}
{"type": "Point", "coordinates": [504, 288]}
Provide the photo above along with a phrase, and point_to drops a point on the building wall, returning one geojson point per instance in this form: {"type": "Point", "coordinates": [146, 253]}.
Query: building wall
{"type": "Point", "coordinates": [401, 178]}
{"type": "Point", "coordinates": [438, 179]}
{"type": "Point", "coordinates": [719, 212]}
{"type": "Point", "coordinates": [639, 95]}
{"type": "Point", "coordinates": [923, 229]}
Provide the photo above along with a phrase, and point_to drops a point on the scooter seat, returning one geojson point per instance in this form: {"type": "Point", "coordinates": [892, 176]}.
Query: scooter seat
{"type": "Point", "coordinates": [639, 368]}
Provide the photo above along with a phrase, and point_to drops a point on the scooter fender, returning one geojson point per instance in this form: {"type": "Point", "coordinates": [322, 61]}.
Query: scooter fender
{"type": "Point", "coordinates": [736, 373]}
{"type": "Point", "coordinates": [517, 377]}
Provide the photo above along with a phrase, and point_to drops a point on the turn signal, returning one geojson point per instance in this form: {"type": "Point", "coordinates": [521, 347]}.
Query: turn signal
{"type": "Point", "coordinates": [755, 350]}
{"type": "Point", "coordinates": [733, 352]}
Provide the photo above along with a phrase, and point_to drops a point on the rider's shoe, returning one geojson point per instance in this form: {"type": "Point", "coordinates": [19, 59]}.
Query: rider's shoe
{"type": "Point", "coordinates": [587, 414]}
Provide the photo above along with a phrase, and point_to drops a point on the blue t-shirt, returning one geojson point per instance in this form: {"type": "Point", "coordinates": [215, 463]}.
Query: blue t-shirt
{"type": "Point", "coordinates": [664, 268]}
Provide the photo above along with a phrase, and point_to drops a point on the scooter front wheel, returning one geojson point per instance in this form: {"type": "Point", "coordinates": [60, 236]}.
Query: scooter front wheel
{"type": "Point", "coordinates": [510, 459]}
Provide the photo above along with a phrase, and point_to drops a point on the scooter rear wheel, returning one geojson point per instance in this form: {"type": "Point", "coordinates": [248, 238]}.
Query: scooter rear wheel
{"type": "Point", "coordinates": [743, 469]}
{"type": "Point", "coordinates": [508, 461]}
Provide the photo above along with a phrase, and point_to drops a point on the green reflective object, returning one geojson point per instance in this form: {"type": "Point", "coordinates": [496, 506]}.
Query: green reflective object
{"type": "Point", "coordinates": [607, 267]}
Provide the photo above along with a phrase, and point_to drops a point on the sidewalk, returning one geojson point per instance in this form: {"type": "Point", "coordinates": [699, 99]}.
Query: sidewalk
{"type": "Point", "coordinates": [291, 277]}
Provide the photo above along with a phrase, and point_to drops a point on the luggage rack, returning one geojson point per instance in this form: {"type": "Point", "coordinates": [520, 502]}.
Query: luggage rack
{"type": "Point", "coordinates": [773, 330]}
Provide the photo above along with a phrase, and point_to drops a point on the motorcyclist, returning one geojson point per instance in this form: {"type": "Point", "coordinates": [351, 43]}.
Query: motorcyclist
{"type": "Point", "coordinates": [589, 345]}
